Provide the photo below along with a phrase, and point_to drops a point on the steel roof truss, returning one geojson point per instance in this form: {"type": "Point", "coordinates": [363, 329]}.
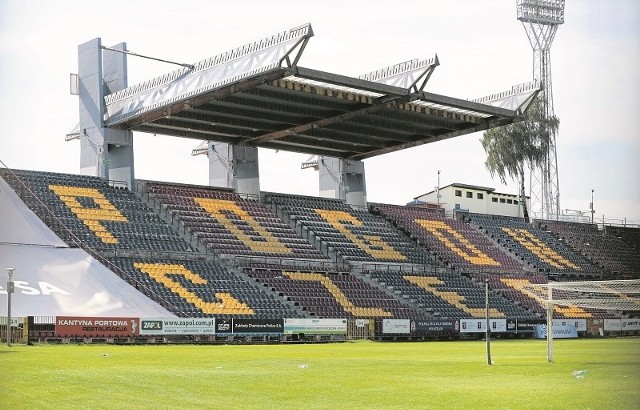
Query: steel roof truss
{"type": "Point", "coordinates": [412, 75]}
{"type": "Point", "coordinates": [380, 104]}
{"type": "Point", "coordinates": [349, 82]}
{"type": "Point", "coordinates": [214, 73]}
{"type": "Point", "coordinates": [153, 114]}
{"type": "Point", "coordinates": [253, 124]}
{"type": "Point", "coordinates": [154, 128]}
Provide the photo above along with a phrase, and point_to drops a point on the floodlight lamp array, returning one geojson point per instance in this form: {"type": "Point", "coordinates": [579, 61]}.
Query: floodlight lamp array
{"type": "Point", "coordinates": [541, 11]}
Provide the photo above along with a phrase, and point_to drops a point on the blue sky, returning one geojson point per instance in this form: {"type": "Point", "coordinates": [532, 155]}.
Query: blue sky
{"type": "Point", "coordinates": [482, 47]}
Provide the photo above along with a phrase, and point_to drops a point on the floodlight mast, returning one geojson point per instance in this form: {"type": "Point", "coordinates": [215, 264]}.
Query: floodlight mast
{"type": "Point", "coordinates": [540, 19]}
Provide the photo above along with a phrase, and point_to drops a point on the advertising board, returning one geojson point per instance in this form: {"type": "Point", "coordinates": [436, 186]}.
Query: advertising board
{"type": "Point", "coordinates": [621, 325]}
{"type": "Point", "coordinates": [564, 331]}
{"type": "Point", "coordinates": [434, 326]}
{"type": "Point", "coordinates": [480, 325]}
{"type": "Point", "coordinates": [177, 326]}
{"type": "Point", "coordinates": [396, 326]}
{"type": "Point", "coordinates": [96, 326]}
{"type": "Point", "coordinates": [258, 326]}
{"type": "Point", "coordinates": [579, 324]}
{"type": "Point", "coordinates": [627, 324]}
{"type": "Point", "coordinates": [316, 326]}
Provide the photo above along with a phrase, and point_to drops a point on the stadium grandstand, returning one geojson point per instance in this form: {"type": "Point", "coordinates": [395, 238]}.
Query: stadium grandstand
{"type": "Point", "coordinates": [274, 266]}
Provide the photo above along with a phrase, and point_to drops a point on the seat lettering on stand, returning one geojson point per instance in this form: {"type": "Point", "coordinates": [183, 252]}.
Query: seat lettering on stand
{"type": "Point", "coordinates": [371, 244]}
{"type": "Point", "coordinates": [339, 296]}
{"type": "Point", "coordinates": [92, 217]}
{"type": "Point", "coordinates": [163, 272]}
{"type": "Point", "coordinates": [430, 284]}
{"type": "Point", "coordinates": [536, 246]}
{"type": "Point", "coordinates": [457, 243]}
{"type": "Point", "coordinates": [222, 209]}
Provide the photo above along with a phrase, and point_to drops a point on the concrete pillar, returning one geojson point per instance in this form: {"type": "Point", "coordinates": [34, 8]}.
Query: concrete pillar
{"type": "Point", "coordinates": [343, 179]}
{"type": "Point", "coordinates": [106, 153]}
{"type": "Point", "coordinates": [235, 167]}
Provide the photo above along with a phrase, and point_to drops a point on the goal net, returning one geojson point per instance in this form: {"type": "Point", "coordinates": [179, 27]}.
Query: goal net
{"type": "Point", "coordinates": [609, 295]}
{"type": "Point", "coordinates": [615, 295]}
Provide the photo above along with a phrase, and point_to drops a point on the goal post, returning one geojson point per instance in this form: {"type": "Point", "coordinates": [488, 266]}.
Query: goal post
{"type": "Point", "coordinates": [609, 295]}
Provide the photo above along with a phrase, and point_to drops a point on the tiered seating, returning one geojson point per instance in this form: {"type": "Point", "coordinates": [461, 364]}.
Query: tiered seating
{"type": "Point", "coordinates": [101, 216]}
{"type": "Point", "coordinates": [456, 243]}
{"type": "Point", "coordinates": [333, 294]}
{"type": "Point", "coordinates": [628, 234]}
{"type": "Point", "coordinates": [517, 287]}
{"type": "Point", "coordinates": [609, 251]}
{"type": "Point", "coordinates": [106, 218]}
{"type": "Point", "coordinates": [355, 235]}
{"type": "Point", "coordinates": [532, 245]}
{"type": "Point", "coordinates": [203, 289]}
{"type": "Point", "coordinates": [449, 295]}
{"type": "Point", "coordinates": [230, 224]}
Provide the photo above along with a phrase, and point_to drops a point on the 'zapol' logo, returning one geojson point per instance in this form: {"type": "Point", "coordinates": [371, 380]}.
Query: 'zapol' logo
{"type": "Point", "coordinates": [151, 325]}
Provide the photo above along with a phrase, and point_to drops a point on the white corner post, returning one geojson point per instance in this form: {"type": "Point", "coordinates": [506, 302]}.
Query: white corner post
{"type": "Point", "coordinates": [488, 330]}
{"type": "Point", "coordinates": [550, 324]}
{"type": "Point", "coordinates": [10, 290]}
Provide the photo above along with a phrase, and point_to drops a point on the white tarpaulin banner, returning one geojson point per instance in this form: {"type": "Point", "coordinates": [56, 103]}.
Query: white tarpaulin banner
{"type": "Point", "coordinates": [69, 282]}
{"type": "Point", "coordinates": [51, 279]}
{"type": "Point", "coordinates": [19, 225]}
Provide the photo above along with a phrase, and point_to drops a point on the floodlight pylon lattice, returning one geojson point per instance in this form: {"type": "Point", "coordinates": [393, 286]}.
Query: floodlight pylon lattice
{"type": "Point", "coordinates": [540, 19]}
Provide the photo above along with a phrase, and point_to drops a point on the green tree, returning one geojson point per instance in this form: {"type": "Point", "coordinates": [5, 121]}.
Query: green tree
{"type": "Point", "coordinates": [512, 147]}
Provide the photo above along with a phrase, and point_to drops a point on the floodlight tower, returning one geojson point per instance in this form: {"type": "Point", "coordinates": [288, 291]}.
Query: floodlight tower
{"type": "Point", "coordinates": [541, 19]}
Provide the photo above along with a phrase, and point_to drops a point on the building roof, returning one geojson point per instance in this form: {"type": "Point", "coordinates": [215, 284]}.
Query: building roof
{"type": "Point", "coordinates": [467, 186]}
{"type": "Point", "coordinates": [257, 95]}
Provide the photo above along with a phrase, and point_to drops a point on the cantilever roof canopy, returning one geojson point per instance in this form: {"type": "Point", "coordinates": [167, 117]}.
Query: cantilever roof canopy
{"type": "Point", "coordinates": [257, 95]}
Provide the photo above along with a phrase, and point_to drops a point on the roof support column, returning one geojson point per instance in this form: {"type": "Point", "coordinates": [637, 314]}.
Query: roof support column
{"type": "Point", "coordinates": [343, 179]}
{"type": "Point", "coordinates": [106, 153]}
{"type": "Point", "coordinates": [235, 167]}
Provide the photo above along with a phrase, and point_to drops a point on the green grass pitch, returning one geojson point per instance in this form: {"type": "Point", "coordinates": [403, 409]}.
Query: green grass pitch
{"type": "Point", "coordinates": [351, 375]}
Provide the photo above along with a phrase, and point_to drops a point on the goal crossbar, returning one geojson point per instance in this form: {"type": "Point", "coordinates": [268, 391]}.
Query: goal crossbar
{"type": "Point", "coordinates": [611, 295]}
{"type": "Point", "coordinates": [619, 295]}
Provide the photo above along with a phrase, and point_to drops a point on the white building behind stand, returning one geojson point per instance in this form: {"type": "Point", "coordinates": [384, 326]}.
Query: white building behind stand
{"type": "Point", "coordinates": [475, 199]}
